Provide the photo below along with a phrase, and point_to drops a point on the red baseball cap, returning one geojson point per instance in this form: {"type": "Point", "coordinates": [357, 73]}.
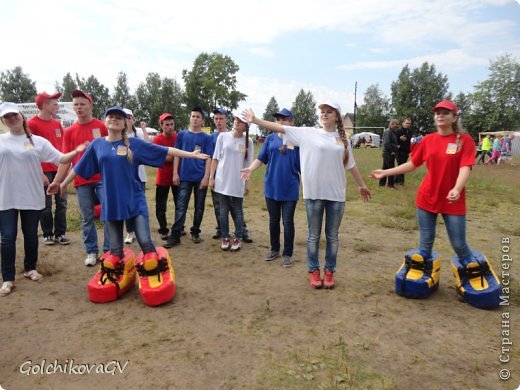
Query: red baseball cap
{"type": "Point", "coordinates": [42, 97]}
{"type": "Point", "coordinates": [165, 116]}
{"type": "Point", "coordinates": [78, 93]}
{"type": "Point", "coordinates": [447, 104]}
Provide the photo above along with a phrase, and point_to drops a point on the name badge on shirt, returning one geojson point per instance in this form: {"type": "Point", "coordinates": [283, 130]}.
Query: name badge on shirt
{"type": "Point", "coordinates": [58, 133]}
{"type": "Point", "coordinates": [339, 141]}
{"type": "Point", "coordinates": [96, 133]}
{"type": "Point", "coordinates": [290, 147]}
{"type": "Point", "coordinates": [451, 149]}
{"type": "Point", "coordinates": [27, 145]}
{"type": "Point", "coordinates": [197, 148]}
{"type": "Point", "coordinates": [121, 150]}
{"type": "Point", "coordinates": [241, 148]}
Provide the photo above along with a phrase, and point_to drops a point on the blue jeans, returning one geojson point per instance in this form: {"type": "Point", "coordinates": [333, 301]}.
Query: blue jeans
{"type": "Point", "coordinates": [233, 205]}
{"type": "Point", "coordinates": [56, 226]}
{"type": "Point", "coordinates": [455, 226]}
{"type": "Point", "coordinates": [183, 200]}
{"type": "Point", "coordinates": [142, 233]}
{"type": "Point", "coordinates": [333, 214]}
{"type": "Point", "coordinates": [8, 232]}
{"type": "Point", "coordinates": [285, 210]}
{"type": "Point", "coordinates": [87, 195]}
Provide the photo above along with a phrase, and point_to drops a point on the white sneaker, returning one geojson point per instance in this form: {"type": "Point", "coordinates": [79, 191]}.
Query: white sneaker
{"type": "Point", "coordinates": [33, 275]}
{"type": "Point", "coordinates": [236, 245]}
{"type": "Point", "coordinates": [6, 288]}
{"type": "Point", "coordinates": [91, 260]}
{"type": "Point", "coordinates": [130, 237]}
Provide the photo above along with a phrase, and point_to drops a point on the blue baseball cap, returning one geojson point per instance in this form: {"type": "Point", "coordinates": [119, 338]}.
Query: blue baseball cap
{"type": "Point", "coordinates": [285, 113]}
{"type": "Point", "coordinates": [221, 110]}
{"type": "Point", "coordinates": [116, 110]}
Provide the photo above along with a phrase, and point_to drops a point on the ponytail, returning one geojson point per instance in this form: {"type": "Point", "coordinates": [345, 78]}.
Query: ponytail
{"type": "Point", "coordinates": [458, 130]}
{"type": "Point", "coordinates": [126, 142]}
{"type": "Point", "coordinates": [343, 137]}
{"type": "Point", "coordinates": [247, 141]}
{"type": "Point", "coordinates": [26, 129]}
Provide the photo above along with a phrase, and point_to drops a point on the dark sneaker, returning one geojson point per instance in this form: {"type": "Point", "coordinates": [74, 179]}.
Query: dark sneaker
{"type": "Point", "coordinates": [217, 236]}
{"type": "Point", "coordinates": [196, 238]}
{"type": "Point", "coordinates": [287, 262]}
{"type": "Point", "coordinates": [48, 240]}
{"type": "Point", "coordinates": [315, 279]}
{"type": "Point", "coordinates": [171, 242]}
{"type": "Point", "coordinates": [62, 240]}
{"type": "Point", "coordinates": [183, 233]}
{"type": "Point", "coordinates": [271, 255]}
{"type": "Point", "coordinates": [164, 236]}
{"type": "Point", "coordinates": [328, 279]}
{"type": "Point", "coordinates": [247, 239]}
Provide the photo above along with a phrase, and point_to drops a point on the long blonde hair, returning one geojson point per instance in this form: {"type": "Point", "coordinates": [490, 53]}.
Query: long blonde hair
{"type": "Point", "coordinates": [458, 130]}
{"type": "Point", "coordinates": [126, 142]}
{"type": "Point", "coordinates": [343, 136]}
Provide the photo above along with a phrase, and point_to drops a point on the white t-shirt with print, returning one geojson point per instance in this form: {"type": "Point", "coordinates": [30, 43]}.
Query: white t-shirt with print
{"type": "Point", "coordinates": [321, 160]}
{"type": "Point", "coordinates": [21, 185]}
{"type": "Point", "coordinates": [230, 153]}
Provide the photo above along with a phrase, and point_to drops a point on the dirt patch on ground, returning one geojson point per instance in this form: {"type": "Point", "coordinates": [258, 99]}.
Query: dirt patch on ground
{"type": "Point", "coordinates": [240, 322]}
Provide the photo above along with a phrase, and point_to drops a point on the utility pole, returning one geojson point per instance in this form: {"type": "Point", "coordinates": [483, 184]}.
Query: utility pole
{"type": "Point", "coordinates": [355, 109]}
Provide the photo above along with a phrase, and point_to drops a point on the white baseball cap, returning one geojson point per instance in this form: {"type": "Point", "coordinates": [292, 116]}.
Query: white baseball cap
{"type": "Point", "coordinates": [128, 111]}
{"type": "Point", "coordinates": [330, 104]}
{"type": "Point", "coordinates": [8, 108]}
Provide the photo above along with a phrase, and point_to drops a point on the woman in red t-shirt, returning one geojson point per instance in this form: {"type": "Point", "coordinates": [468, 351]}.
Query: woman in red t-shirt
{"type": "Point", "coordinates": [449, 155]}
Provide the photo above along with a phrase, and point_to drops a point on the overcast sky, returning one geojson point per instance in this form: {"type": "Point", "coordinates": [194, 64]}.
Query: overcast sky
{"type": "Point", "coordinates": [324, 46]}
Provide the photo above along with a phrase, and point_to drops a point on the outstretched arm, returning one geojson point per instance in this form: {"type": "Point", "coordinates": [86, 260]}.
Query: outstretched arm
{"type": "Point", "coordinates": [250, 117]}
{"type": "Point", "coordinates": [400, 170]}
{"type": "Point", "coordinates": [246, 172]}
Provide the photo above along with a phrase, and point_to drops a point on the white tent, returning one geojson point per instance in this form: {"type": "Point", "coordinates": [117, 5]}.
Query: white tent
{"type": "Point", "coordinates": [372, 137]}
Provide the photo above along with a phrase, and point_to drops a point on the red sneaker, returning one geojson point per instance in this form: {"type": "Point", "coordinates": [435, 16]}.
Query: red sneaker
{"type": "Point", "coordinates": [328, 279]}
{"type": "Point", "coordinates": [315, 279]}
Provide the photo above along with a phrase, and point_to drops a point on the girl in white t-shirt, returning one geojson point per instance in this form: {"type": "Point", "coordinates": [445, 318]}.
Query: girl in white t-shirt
{"type": "Point", "coordinates": [22, 193]}
{"type": "Point", "coordinates": [233, 151]}
{"type": "Point", "coordinates": [325, 153]}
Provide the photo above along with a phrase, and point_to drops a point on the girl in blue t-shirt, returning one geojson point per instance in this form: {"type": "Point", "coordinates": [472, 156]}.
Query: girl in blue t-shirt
{"type": "Point", "coordinates": [281, 187]}
{"type": "Point", "coordinates": [117, 158]}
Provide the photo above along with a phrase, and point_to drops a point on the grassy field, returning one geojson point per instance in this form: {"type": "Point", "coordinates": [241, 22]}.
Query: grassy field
{"type": "Point", "coordinates": [239, 322]}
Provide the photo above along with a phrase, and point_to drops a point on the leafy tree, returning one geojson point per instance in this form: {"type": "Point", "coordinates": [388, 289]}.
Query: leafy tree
{"type": "Point", "coordinates": [376, 108]}
{"type": "Point", "coordinates": [304, 109]}
{"type": "Point", "coordinates": [211, 83]}
{"type": "Point", "coordinates": [414, 94]}
{"type": "Point", "coordinates": [271, 109]}
{"type": "Point", "coordinates": [16, 86]}
{"type": "Point", "coordinates": [122, 96]}
{"type": "Point", "coordinates": [495, 101]}
{"type": "Point", "coordinates": [157, 95]}
{"type": "Point", "coordinates": [69, 84]}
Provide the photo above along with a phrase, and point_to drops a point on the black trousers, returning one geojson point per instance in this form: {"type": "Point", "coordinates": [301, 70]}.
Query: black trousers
{"type": "Point", "coordinates": [388, 162]}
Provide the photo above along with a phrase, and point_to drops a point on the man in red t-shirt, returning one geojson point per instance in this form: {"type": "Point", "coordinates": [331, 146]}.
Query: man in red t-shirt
{"type": "Point", "coordinates": [89, 192]}
{"type": "Point", "coordinates": [164, 178]}
{"type": "Point", "coordinates": [44, 125]}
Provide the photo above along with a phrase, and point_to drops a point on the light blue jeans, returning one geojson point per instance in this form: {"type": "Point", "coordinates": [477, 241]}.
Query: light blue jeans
{"type": "Point", "coordinates": [333, 215]}
{"type": "Point", "coordinates": [455, 226]}
{"type": "Point", "coordinates": [87, 195]}
{"type": "Point", "coordinates": [142, 233]}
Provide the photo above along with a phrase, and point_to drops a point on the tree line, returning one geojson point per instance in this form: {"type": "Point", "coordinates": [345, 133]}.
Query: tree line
{"type": "Point", "coordinates": [493, 105]}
